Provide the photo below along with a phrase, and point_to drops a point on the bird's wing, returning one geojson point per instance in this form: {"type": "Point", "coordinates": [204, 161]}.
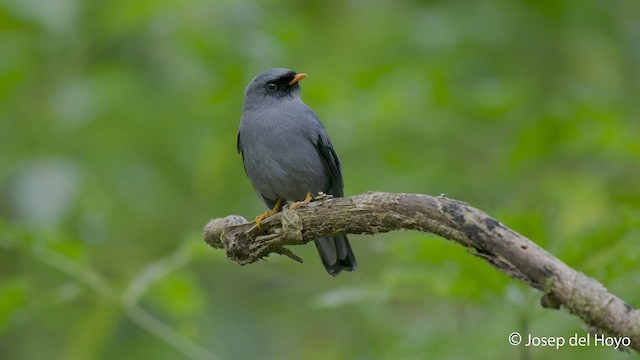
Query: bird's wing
{"type": "Point", "coordinates": [330, 158]}
{"type": "Point", "coordinates": [241, 152]}
{"type": "Point", "coordinates": [239, 146]}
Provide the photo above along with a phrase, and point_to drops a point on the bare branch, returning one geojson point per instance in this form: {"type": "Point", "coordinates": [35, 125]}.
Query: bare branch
{"type": "Point", "coordinates": [376, 212]}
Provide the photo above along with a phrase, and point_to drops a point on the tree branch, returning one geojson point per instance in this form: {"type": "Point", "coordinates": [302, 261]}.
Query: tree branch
{"type": "Point", "coordinates": [377, 212]}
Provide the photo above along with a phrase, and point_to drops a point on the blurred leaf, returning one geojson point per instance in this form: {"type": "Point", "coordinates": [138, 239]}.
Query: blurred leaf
{"type": "Point", "coordinates": [12, 298]}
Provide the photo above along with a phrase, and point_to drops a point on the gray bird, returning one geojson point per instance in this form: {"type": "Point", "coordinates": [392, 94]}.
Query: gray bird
{"type": "Point", "coordinates": [288, 156]}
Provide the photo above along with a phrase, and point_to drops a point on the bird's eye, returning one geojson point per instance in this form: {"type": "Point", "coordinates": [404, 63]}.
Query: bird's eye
{"type": "Point", "coordinates": [271, 86]}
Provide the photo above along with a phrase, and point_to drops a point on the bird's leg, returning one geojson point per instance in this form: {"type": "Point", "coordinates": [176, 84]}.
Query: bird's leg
{"type": "Point", "coordinates": [297, 204]}
{"type": "Point", "coordinates": [268, 213]}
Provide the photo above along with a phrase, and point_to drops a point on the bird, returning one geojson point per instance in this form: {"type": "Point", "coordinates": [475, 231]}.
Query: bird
{"type": "Point", "coordinates": [288, 157]}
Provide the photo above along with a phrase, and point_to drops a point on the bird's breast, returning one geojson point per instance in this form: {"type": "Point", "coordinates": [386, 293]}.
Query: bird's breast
{"type": "Point", "coordinates": [281, 158]}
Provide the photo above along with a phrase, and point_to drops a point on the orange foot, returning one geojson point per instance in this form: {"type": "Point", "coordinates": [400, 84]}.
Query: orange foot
{"type": "Point", "coordinates": [268, 213]}
{"type": "Point", "coordinates": [297, 204]}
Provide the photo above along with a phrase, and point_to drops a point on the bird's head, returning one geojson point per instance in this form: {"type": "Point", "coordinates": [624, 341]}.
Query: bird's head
{"type": "Point", "coordinates": [274, 83]}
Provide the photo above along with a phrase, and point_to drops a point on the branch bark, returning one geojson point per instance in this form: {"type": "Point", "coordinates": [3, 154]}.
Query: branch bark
{"type": "Point", "coordinates": [485, 237]}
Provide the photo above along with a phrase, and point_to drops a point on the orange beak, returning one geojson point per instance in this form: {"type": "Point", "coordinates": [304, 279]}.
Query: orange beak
{"type": "Point", "coordinates": [297, 78]}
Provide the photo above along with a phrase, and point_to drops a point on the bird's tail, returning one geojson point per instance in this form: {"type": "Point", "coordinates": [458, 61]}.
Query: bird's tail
{"type": "Point", "coordinates": [336, 254]}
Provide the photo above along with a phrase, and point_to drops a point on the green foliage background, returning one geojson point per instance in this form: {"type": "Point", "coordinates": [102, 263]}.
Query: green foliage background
{"type": "Point", "coordinates": [117, 144]}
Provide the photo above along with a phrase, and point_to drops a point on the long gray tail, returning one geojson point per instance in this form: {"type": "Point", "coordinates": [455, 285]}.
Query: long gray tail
{"type": "Point", "coordinates": [336, 254]}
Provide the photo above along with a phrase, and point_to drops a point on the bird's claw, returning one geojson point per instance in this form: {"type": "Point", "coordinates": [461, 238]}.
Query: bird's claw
{"type": "Point", "coordinates": [297, 204]}
{"type": "Point", "coordinates": [268, 213]}
{"type": "Point", "coordinates": [261, 217]}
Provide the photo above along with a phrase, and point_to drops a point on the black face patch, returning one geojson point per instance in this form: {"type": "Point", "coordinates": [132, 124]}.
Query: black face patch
{"type": "Point", "coordinates": [280, 85]}
{"type": "Point", "coordinates": [286, 78]}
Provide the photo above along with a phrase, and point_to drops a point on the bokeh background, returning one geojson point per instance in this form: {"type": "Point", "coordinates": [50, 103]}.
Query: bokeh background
{"type": "Point", "coordinates": [117, 144]}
